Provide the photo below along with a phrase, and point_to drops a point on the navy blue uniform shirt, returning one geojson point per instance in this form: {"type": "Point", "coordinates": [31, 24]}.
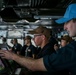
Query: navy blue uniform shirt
{"type": "Point", "coordinates": [22, 52]}
{"type": "Point", "coordinates": [47, 49]}
{"type": "Point", "coordinates": [17, 47]}
{"type": "Point", "coordinates": [30, 51]}
{"type": "Point", "coordinates": [65, 59]}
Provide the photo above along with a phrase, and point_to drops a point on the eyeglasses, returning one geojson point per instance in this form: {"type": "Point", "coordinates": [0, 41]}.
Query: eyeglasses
{"type": "Point", "coordinates": [37, 35]}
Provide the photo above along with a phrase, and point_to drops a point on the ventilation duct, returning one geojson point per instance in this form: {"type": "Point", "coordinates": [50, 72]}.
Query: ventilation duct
{"type": "Point", "coordinates": [32, 9]}
{"type": "Point", "coordinates": [22, 22]}
{"type": "Point", "coordinates": [44, 22]}
{"type": "Point", "coordinates": [37, 3]}
{"type": "Point", "coordinates": [23, 2]}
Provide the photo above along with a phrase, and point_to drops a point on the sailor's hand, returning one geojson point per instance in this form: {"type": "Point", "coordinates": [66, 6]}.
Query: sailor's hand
{"type": "Point", "coordinates": [6, 54]}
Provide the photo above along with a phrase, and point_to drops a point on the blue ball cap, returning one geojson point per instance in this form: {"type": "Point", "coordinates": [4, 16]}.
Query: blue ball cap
{"type": "Point", "coordinates": [69, 14]}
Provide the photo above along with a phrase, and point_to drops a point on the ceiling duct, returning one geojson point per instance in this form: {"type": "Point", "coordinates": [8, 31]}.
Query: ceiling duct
{"type": "Point", "coordinates": [22, 22]}
{"type": "Point", "coordinates": [37, 3]}
{"type": "Point", "coordinates": [43, 3]}
{"type": "Point", "coordinates": [31, 9]}
{"type": "Point", "coordinates": [44, 22]}
{"type": "Point", "coordinates": [23, 3]}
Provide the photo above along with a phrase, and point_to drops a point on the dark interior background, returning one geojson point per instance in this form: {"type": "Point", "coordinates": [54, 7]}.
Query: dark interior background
{"type": "Point", "coordinates": [14, 10]}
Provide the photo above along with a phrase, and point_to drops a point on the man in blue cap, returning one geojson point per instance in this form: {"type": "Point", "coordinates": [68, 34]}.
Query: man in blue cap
{"type": "Point", "coordinates": [65, 59]}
